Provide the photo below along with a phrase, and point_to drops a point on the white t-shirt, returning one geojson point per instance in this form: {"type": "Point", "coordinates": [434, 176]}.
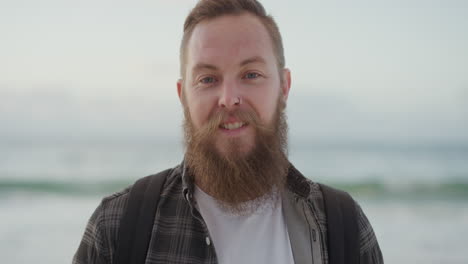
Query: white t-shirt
{"type": "Point", "coordinates": [260, 237]}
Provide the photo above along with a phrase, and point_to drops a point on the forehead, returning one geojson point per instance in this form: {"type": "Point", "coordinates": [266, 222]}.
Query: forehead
{"type": "Point", "coordinates": [229, 39]}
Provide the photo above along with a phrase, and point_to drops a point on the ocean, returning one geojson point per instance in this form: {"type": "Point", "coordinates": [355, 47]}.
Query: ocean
{"type": "Point", "coordinates": [415, 195]}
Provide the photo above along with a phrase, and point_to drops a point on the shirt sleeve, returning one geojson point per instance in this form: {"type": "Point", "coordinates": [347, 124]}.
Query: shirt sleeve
{"type": "Point", "coordinates": [369, 246]}
{"type": "Point", "coordinates": [94, 248]}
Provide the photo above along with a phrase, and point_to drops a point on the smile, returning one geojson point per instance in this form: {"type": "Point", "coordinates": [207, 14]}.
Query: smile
{"type": "Point", "coordinates": [232, 126]}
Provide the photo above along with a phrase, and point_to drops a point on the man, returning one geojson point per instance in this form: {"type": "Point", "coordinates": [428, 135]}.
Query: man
{"type": "Point", "coordinates": [235, 198]}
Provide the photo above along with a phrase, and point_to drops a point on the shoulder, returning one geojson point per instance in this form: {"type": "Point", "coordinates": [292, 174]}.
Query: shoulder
{"type": "Point", "coordinates": [368, 244]}
{"type": "Point", "coordinates": [98, 240]}
{"type": "Point", "coordinates": [100, 236]}
{"type": "Point", "coordinates": [112, 207]}
{"type": "Point", "coordinates": [115, 202]}
{"type": "Point", "coordinates": [369, 249]}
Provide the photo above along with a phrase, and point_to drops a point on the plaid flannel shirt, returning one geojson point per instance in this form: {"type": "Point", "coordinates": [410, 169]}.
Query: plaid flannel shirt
{"type": "Point", "coordinates": [179, 233]}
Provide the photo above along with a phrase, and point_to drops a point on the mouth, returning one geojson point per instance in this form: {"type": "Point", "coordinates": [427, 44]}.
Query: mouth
{"type": "Point", "coordinates": [232, 126]}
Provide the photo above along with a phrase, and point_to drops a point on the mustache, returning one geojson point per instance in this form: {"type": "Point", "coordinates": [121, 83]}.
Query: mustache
{"type": "Point", "coordinates": [246, 116]}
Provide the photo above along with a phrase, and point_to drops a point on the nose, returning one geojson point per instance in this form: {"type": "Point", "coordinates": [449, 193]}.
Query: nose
{"type": "Point", "coordinates": [230, 96]}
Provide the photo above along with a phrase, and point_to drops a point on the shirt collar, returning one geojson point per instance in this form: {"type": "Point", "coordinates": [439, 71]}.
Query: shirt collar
{"type": "Point", "coordinates": [187, 183]}
{"type": "Point", "coordinates": [297, 183]}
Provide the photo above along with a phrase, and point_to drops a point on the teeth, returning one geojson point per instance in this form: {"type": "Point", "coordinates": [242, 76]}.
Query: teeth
{"type": "Point", "coordinates": [231, 126]}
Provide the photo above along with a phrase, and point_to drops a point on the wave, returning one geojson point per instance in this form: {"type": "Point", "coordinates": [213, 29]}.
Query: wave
{"type": "Point", "coordinates": [451, 189]}
{"type": "Point", "coordinates": [62, 187]}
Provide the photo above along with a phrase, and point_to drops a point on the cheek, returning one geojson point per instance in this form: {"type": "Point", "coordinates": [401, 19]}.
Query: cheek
{"type": "Point", "coordinates": [265, 104]}
{"type": "Point", "coordinates": [199, 112]}
{"type": "Point", "coordinates": [269, 109]}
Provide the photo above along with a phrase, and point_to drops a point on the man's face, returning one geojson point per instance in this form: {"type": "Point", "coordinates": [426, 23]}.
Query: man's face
{"type": "Point", "coordinates": [231, 67]}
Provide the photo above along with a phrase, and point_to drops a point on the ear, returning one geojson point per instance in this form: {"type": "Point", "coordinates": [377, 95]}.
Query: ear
{"type": "Point", "coordinates": [286, 83]}
{"type": "Point", "coordinates": [179, 89]}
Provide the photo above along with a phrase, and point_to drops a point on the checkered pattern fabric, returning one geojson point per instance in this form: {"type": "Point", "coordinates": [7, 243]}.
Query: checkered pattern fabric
{"type": "Point", "coordinates": [179, 233]}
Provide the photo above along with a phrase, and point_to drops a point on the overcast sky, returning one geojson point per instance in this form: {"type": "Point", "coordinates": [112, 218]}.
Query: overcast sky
{"type": "Point", "coordinates": [370, 70]}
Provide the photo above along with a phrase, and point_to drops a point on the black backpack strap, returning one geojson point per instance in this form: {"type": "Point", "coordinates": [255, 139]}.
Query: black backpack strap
{"type": "Point", "coordinates": [136, 225]}
{"type": "Point", "coordinates": [342, 226]}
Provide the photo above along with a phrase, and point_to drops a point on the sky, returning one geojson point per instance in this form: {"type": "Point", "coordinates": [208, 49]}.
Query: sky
{"type": "Point", "coordinates": [385, 71]}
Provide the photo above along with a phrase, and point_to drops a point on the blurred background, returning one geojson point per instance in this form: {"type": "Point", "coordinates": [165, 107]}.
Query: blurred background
{"type": "Point", "coordinates": [378, 107]}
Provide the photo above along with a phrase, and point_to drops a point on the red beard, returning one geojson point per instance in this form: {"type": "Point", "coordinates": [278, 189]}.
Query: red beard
{"type": "Point", "coordinates": [234, 178]}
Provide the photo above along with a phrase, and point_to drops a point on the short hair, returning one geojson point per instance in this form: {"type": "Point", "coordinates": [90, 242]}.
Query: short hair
{"type": "Point", "coordinates": [210, 9]}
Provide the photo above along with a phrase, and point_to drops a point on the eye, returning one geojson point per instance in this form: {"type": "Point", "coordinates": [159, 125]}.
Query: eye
{"type": "Point", "coordinates": [208, 80]}
{"type": "Point", "coordinates": [251, 75]}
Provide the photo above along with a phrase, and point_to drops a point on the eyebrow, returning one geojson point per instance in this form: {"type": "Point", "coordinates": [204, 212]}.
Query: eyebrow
{"type": "Point", "coordinates": [256, 59]}
{"type": "Point", "coordinates": [201, 66]}
{"type": "Point", "coordinates": [207, 66]}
